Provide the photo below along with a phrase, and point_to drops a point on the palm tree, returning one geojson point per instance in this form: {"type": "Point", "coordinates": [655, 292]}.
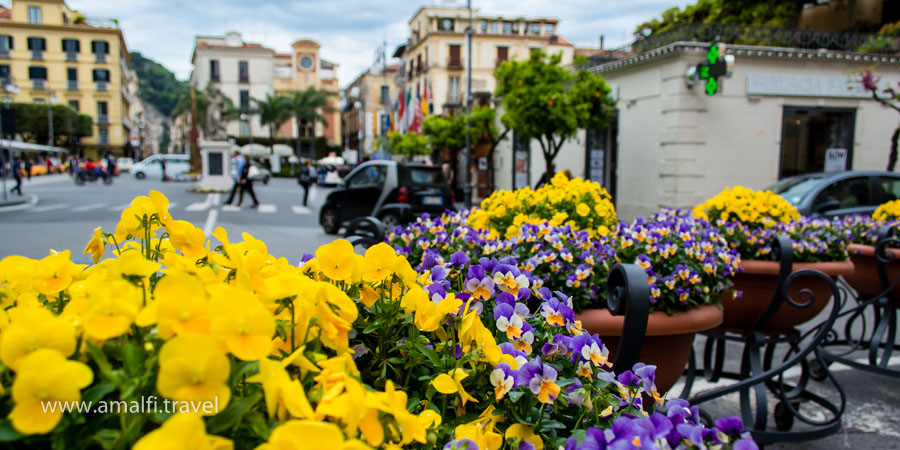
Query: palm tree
{"type": "Point", "coordinates": [273, 111]}
{"type": "Point", "coordinates": [306, 105]}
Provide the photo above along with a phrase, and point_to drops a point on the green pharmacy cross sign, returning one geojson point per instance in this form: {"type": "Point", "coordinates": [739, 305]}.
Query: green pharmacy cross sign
{"type": "Point", "coordinates": [717, 65]}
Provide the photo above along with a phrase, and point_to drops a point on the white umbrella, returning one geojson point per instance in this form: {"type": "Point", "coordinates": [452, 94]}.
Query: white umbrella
{"type": "Point", "coordinates": [331, 161]}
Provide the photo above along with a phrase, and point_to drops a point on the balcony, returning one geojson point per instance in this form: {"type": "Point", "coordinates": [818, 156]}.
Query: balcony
{"type": "Point", "coordinates": [101, 85]}
{"type": "Point", "coordinates": [103, 119]}
{"type": "Point", "coordinates": [37, 55]}
{"type": "Point", "coordinates": [244, 79]}
{"type": "Point", "coordinates": [39, 84]}
{"type": "Point", "coordinates": [104, 139]}
{"type": "Point", "coordinates": [100, 57]}
{"type": "Point", "coordinates": [4, 53]}
{"type": "Point", "coordinates": [71, 57]}
{"type": "Point", "coordinates": [454, 64]}
{"type": "Point", "coordinates": [72, 85]}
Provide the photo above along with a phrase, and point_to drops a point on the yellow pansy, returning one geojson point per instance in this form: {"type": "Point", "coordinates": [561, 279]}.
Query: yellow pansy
{"type": "Point", "coordinates": [337, 261]}
{"type": "Point", "coordinates": [241, 322]}
{"type": "Point", "coordinates": [524, 433]}
{"type": "Point", "coordinates": [32, 329]}
{"type": "Point", "coordinates": [17, 272]}
{"type": "Point", "coordinates": [194, 368]}
{"type": "Point", "coordinates": [96, 245]}
{"type": "Point", "coordinates": [309, 435]}
{"type": "Point", "coordinates": [451, 383]}
{"type": "Point", "coordinates": [430, 315]}
{"type": "Point", "coordinates": [112, 309]}
{"type": "Point", "coordinates": [180, 306]}
{"type": "Point", "coordinates": [54, 273]}
{"type": "Point", "coordinates": [379, 262]}
{"type": "Point", "coordinates": [282, 394]}
{"type": "Point", "coordinates": [45, 377]}
{"type": "Point", "coordinates": [187, 238]}
{"type": "Point", "coordinates": [182, 431]}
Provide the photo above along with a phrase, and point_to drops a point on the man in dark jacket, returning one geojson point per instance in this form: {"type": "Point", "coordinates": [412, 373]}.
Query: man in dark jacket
{"type": "Point", "coordinates": [246, 185]}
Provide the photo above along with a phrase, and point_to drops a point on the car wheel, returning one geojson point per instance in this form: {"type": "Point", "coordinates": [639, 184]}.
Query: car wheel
{"type": "Point", "coordinates": [331, 220]}
{"type": "Point", "coordinates": [390, 220]}
{"type": "Point", "coordinates": [140, 175]}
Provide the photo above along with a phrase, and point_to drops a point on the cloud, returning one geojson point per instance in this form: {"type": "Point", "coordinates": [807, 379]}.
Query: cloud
{"type": "Point", "coordinates": [348, 30]}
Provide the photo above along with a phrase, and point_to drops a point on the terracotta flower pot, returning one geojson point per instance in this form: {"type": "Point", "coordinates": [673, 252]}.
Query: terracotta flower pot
{"type": "Point", "coordinates": [757, 283]}
{"type": "Point", "coordinates": [668, 341]}
{"type": "Point", "coordinates": [864, 278]}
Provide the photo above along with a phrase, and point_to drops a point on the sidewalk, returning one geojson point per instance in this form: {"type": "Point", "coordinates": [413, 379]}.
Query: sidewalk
{"type": "Point", "coordinates": [14, 201]}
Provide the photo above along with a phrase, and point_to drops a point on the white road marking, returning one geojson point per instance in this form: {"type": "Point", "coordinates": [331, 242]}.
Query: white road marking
{"type": "Point", "coordinates": [49, 207]}
{"type": "Point", "coordinates": [201, 206]}
{"type": "Point", "coordinates": [89, 207]}
{"type": "Point", "coordinates": [268, 208]}
{"type": "Point", "coordinates": [32, 200]}
{"type": "Point", "coordinates": [210, 221]}
{"type": "Point", "coordinates": [119, 208]}
{"type": "Point", "coordinates": [230, 208]}
{"type": "Point", "coordinates": [300, 209]}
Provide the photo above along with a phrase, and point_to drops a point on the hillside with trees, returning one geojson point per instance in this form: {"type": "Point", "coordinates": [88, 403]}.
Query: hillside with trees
{"type": "Point", "coordinates": [158, 85]}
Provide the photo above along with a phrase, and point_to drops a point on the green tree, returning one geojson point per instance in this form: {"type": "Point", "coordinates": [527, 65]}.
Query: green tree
{"type": "Point", "coordinates": [758, 13]}
{"type": "Point", "coordinates": [306, 106]}
{"type": "Point", "coordinates": [157, 85]}
{"type": "Point", "coordinates": [545, 101]}
{"type": "Point", "coordinates": [68, 126]}
{"type": "Point", "coordinates": [273, 111]}
{"type": "Point", "coordinates": [409, 144]}
{"type": "Point", "coordinates": [483, 121]}
{"type": "Point", "coordinates": [444, 134]}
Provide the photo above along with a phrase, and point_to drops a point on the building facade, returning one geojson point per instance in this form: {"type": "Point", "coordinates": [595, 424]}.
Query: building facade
{"type": "Point", "coordinates": [366, 111]}
{"type": "Point", "coordinates": [303, 68]}
{"type": "Point", "coordinates": [51, 53]}
{"type": "Point", "coordinates": [241, 70]}
{"type": "Point", "coordinates": [434, 58]}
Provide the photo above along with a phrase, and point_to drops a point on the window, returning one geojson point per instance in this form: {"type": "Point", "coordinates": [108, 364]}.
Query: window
{"type": "Point", "coordinates": [385, 94]}
{"type": "Point", "coordinates": [100, 50]}
{"type": "Point", "coordinates": [71, 47]}
{"type": "Point", "coordinates": [104, 136]}
{"type": "Point", "coordinates": [502, 55]}
{"type": "Point", "coordinates": [849, 193]}
{"type": "Point", "coordinates": [214, 69]}
{"type": "Point", "coordinates": [74, 105]}
{"type": "Point", "coordinates": [548, 28]}
{"type": "Point", "coordinates": [419, 67]}
{"type": "Point", "coordinates": [4, 74]}
{"type": "Point", "coordinates": [455, 61]}
{"type": "Point", "coordinates": [102, 112]}
{"type": "Point", "coordinates": [453, 95]}
{"type": "Point", "coordinates": [445, 24]}
{"type": "Point", "coordinates": [534, 28]}
{"type": "Point", "coordinates": [6, 44]}
{"type": "Point", "coordinates": [40, 101]}
{"type": "Point", "coordinates": [495, 27]}
{"type": "Point", "coordinates": [37, 73]}
{"type": "Point", "coordinates": [244, 128]}
{"type": "Point", "coordinates": [37, 46]}
{"type": "Point", "coordinates": [890, 188]}
{"type": "Point", "coordinates": [243, 72]}
{"type": "Point", "coordinates": [101, 75]}
{"type": "Point", "coordinates": [368, 176]}
{"type": "Point", "coordinates": [507, 28]}
{"type": "Point", "coordinates": [34, 14]}
{"type": "Point", "coordinates": [245, 100]}
{"type": "Point", "coordinates": [71, 78]}
{"type": "Point", "coordinates": [484, 26]}
{"type": "Point", "coordinates": [807, 133]}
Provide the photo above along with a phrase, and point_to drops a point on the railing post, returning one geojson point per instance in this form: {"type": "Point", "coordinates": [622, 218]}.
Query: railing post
{"type": "Point", "coordinates": [628, 294]}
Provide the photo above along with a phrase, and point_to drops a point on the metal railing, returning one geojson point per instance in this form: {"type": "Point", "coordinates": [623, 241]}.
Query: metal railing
{"type": "Point", "coordinates": [763, 36]}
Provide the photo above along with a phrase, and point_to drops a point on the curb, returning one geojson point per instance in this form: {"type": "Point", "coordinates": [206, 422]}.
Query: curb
{"type": "Point", "coordinates": [208, 191]}
{"type": "Point", "coordinates": [15, 206]}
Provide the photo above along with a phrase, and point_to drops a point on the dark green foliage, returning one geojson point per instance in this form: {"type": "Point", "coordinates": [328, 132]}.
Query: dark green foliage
{"type": "Point", "coordinates": [158, 85]}
{"type": "Point", "coordinates": [759, 13]}
{"type": "Point", "coordinates": [33, 126]}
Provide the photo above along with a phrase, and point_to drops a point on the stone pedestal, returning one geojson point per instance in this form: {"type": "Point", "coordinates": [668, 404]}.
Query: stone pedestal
{"type": "Point", "coordinates": [216, 156]}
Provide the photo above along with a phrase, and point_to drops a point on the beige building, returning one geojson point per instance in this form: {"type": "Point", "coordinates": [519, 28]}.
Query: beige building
{"type": "Point", "coordinates": [365, 115]}
{"type": "Point", "coordinates": [51, 52]}
{"type": "Point", "coordinates": [300, 69]}
{"type": "Point", "coordinates": [436, 52]}
{"type": "Point", "coordinates": [241, 70]}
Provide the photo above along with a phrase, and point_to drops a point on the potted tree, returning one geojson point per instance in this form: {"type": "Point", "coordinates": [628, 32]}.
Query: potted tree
{"type": "Point", "coordinates": [749, 220]}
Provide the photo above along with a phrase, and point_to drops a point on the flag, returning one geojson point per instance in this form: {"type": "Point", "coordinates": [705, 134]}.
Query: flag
{"type": "Point", "coordinates": [430, 96]}
{"type": "Point", "coordinates": [416, 112]}
{"type": "Point", "coordinates": [390, 114]}
{"type": "Point", "coordinates": [409, 111]}
{"type": "Point", "coordinates": [425, 100]}
{"type": "Point", "coordinates": [401, 109]}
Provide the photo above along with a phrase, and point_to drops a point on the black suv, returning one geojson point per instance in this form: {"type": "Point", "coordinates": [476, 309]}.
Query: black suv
{"type": "Point", "coordinates": [391, 191]}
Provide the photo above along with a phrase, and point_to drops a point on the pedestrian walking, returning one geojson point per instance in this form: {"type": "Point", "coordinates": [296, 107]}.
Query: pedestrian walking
{"type": "Point", "coordinates": [28, 165]}
{"type": "Point", "coordinates": [238, 162]}
{"type": "Point", "coordinates": [162, 165]}
{"type": "Point", "coordinates": [306, 178]}
{"type": "Point", "coordinates": [247, 186]}
{"type": "Point", "coordinates": [17, 173]}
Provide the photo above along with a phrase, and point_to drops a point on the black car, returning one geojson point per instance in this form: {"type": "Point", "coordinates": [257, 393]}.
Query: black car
{"type": "Point", "coordinates": [391, 191]}
{"type": "Point", "coordinates": [839, 194]}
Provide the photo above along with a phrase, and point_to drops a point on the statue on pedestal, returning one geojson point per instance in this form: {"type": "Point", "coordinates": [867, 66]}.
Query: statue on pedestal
{"type": "Point", "coordinates": [215, 115]}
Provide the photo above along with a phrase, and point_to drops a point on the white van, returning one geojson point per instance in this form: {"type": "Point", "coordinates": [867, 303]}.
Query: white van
{"type": "Point", "coordinates": [150, 167]}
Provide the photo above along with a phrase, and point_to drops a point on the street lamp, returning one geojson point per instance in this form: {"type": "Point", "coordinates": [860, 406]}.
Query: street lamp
{"type": "Point", "coordinates": [8, 88]}
{"type": "Point", "coordinates": [51, 99]}
{"type": "Point", "coordinates": [467, 188]}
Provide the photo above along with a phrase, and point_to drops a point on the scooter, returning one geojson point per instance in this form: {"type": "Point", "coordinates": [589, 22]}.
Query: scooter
{"type": "Point", "coordinates": [83, 176]}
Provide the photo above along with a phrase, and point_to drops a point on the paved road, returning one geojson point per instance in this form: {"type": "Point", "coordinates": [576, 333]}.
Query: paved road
{"type": "Point", "coordinates": [64, 214]}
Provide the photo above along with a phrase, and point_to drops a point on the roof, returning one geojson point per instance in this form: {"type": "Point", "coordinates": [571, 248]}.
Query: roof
{"type": "Point", "coordinates": [246, 45]}
{"type": "Point", "coordinates": [283, 55]}
{"type": "Point", "coordinates": [749, 50]}
{"type": "Point", "coordinates": [5, 13]}
{"type": "Point", "coordinates": [559, 40]}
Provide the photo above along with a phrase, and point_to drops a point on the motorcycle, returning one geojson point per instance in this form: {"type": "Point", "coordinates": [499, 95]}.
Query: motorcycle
{"type": "Point", "coordinates": [87, 176]}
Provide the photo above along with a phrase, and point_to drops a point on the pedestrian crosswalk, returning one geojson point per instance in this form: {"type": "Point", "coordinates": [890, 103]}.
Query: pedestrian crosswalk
{"type": "Point", "coordinates": [263, 208]}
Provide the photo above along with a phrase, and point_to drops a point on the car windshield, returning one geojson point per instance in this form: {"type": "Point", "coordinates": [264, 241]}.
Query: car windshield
{"type": "Point", "coordinates": [426, 175]}
{"type": "Point", "coordinates": [795, 189]}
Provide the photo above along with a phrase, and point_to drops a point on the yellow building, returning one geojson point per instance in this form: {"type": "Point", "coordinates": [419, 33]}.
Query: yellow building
{"type": "Point", "coordinates": [435, 54]}
{"type": "Point", "coordinates": [365, 112]}
{"type": "Point", "coordinates": [303, 68]}
{"type": "Point", "coordinates": [50, 52]}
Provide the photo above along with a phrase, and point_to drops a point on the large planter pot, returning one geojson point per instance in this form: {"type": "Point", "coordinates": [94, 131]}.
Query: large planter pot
{"type": "Point", "coordinates": [667, 344]}
{"type": "Point", "coordinates": [757, 283]}
{"type": "Point", "coordinates": [864, 278]}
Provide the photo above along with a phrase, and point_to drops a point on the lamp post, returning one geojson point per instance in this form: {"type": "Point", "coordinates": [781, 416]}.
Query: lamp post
{"type": "Point", "coordinates": [8, 88]}
{"type": "Point", "coordinates": [51, 99]}
{"type": "Point", "coordinates": [467, 188]}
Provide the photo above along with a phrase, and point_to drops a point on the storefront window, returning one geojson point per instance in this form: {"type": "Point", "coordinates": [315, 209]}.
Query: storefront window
{"type": "Point", "coordinates": [808, 133]}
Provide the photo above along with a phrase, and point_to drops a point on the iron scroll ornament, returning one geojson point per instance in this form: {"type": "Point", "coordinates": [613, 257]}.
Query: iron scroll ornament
{"type": "Point", "coordinates": [628, 294]}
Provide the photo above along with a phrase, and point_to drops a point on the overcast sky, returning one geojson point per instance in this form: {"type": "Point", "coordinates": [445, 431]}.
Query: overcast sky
{"type": "Point", "coordinates": [348, 30]}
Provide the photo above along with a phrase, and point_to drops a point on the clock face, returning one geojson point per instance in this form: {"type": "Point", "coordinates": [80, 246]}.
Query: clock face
{"type": "Point", "coordinates": [306, 62]}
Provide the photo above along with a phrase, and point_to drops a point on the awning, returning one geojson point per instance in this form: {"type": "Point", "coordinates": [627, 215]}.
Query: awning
{"type": "Point", "coordinates": [29, 147]}
{"type": "Point", "coordinates": [255, 150]}
{"type": "Point", "coordinates": [282, 150]}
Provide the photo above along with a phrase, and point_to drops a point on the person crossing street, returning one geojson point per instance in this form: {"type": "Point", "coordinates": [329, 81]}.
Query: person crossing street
{"type": "Point", "coordinates": [239, 162]}
{"type": "Point", "coordinates": [246, 184]}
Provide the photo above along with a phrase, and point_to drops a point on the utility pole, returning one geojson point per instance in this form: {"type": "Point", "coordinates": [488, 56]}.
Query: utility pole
{"type": "Point", "coordinates": [467, 188]}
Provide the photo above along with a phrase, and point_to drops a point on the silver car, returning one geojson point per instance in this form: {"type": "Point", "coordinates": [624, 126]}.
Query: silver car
{"type": "Point", "coordinates": [839, 194]}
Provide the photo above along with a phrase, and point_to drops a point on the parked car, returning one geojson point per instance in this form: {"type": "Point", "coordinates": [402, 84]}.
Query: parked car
{"type": "Point", "coordinates": [391, 191]}
{"type": "Point", "coordinates": [124, 164]}
{"type": "Point", "coordinates": [259, 173]}
{"type": "Point", "coordinates": [839, 194]}
{"type": "Point", "coordinates": [175, 165]}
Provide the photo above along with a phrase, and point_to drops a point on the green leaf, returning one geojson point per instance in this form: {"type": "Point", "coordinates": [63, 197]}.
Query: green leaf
{"type": "Point", "coordinates": [107, 438]}
{"type": "Point", "coordinates": [552, 425]}
{"type": "Point", "coordinates": [514, 396]}
{"type": "Point", "coordinates": [258, 425]}
{"type": "Point", "coordinates": [102, 362]}
{"type": "Point", "coordinates": [133, 357]}
{"type": "Point", "coordinates": [232, 415]}
{"type": "Point", "coordinates": [8, 433]}
{"type": "Point", "coordinates": [97, 392]}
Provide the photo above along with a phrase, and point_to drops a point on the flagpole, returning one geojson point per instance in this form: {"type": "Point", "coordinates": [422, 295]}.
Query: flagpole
{"type": "Point", "coordinates": [467, 188]}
